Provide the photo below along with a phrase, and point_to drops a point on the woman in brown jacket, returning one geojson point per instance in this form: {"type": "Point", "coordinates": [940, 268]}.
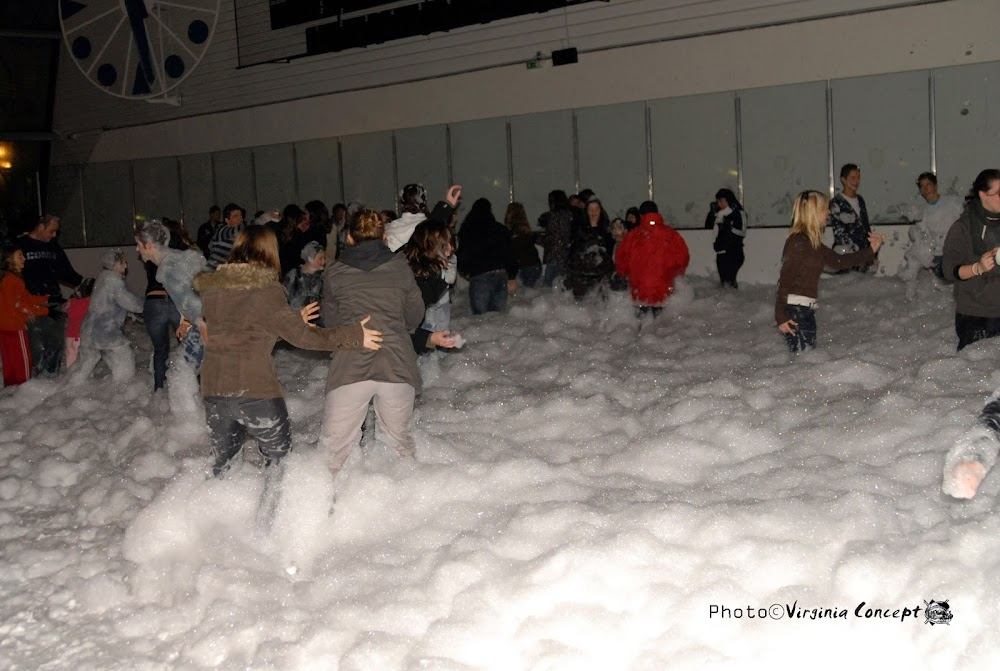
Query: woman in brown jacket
{"type": "Point", "coordinates": [802, 261]}
{"type": "Point", "coordinates": [246, 312]}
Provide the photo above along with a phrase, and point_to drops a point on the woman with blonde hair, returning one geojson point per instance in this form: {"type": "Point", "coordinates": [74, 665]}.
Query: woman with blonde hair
{"type": "Point", "coordinates": [802, 262]}
{"type": "Point", "coordinates": [246, 312]}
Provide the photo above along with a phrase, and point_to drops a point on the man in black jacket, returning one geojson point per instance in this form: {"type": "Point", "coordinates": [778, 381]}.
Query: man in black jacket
{"type": "Point", "coordinates": [46, 266]}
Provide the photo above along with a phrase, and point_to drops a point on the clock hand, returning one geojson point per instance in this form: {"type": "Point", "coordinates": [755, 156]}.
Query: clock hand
{"type": "Point", "coordinates": [137, 15]}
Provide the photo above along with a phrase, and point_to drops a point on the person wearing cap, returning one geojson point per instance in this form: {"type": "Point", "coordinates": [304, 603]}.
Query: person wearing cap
{"type": "Point", "coordinates": [305, 283]}
{"type": "Point", "coordinates": [101, 335]}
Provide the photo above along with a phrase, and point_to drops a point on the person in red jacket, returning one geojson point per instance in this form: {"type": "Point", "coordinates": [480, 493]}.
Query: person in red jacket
{"type": "Point", "coordinates": [651, 255]}
{"type": "Point", "coordinates": [17, 308]}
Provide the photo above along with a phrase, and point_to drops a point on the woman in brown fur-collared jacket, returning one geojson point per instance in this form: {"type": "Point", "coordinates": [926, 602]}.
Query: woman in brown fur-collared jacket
{"type": "Point", "coordinates": [246, 311]}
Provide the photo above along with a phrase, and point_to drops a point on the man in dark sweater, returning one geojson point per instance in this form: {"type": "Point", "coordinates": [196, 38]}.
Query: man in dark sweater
{"type": "Point", "coordinates": [46, 266]}
{"type": "Point", "coordinates": [207, 230]}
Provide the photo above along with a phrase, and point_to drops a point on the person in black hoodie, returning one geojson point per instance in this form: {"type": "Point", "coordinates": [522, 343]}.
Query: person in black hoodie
{"type": "Point", "coordinates": [486, 256]}
{"type": "Point", "coordinates": [591, 262]}
{"type": "Point", "coordinates": [46, 266]}
{"type": "Point", "coordinates": [727, 213]}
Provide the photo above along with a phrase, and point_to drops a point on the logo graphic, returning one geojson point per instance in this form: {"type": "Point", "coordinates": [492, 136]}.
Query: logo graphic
{"type": "Point", "coordinates": [937, 612]}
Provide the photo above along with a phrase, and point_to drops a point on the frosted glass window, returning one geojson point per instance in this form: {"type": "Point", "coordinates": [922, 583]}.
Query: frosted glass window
{"type": "Point", "coordinates": [234, 179]}
{"type": "Point", "coordinates": [422, 156]}
{"type": "Point", "coordinates": [368, 170]}
{"type": "Point", "coordinates": [318, 169]}
{"type": "Point", "coordinates": [542, 156]}
{"type": "Point", "coordinates": [611, 141]}
{"type": "Point", "coordinates": [274, 169]}
{"type": "Point", "coordinates": [968, 128]}
{"type": "Point", "coordinates": [197, 189]}
{"type": "Point", "coordinates": [107, 197]}
{"type": "Point", "coordinates": [784, 149]}
{"type": "Point", "coordinates": [694, 154]}
{"type": "Point", "coordinates": [64, 198]}
{"type": "Point", "coordinates": [882, 123]}
{"type": "Point", "coordinates": [479, 162]}
{"type": "Point", "coordinates": [157, 188]}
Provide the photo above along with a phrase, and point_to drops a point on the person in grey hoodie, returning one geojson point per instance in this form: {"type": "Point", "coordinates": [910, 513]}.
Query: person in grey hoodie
{"type": "Point", "coordinates": [101, 334]}
{"type": "Point", "coordinates": [176, 269]}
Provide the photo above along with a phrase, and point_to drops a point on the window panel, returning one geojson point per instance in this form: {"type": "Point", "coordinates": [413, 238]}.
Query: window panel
{"type": "Point", "coordinates": [694, 154]}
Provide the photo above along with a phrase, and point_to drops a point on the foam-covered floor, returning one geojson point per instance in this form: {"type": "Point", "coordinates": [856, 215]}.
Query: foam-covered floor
{"type": "Point", "coordinates": [588, 494]}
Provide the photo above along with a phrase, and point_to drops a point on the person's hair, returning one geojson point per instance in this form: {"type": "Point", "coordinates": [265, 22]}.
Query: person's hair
{"type": "Point", "coordinates": [46, 219]}
{"type": "Point", "coordinates": [558, 200]}
{"type": "Point", "coordinates": [648, 207]}
{"type": "Point", "coordinates": [118, 256]}
{"type": "Point", "coordinates": [7, 260]}
{"type": "Point", "coordinates": [339, 207]}
{"type": "Point", "coordinates": [928, 176]}
{"type": "Point", "coordinates": [480, 214]}
{"type": "Point", "coordinates": [258, 246]}
{"type": "Point", "coordinates": [366, 225]}
{"type": "Point", "coordinates": [982, 182]}
{"type": "Point", "coordinates": [586, 195]}
{"type": "Point", "coordinates": [516, 219]}
{"type": "Point", "coordinates": [603, 221]}
{"type": "Point", "coordinates": [847, 169]}
{"type": "Point", "coordinates": [178, 231]}
{"type": "Point", "coordinates": [229, 209]}
{"type": "Point", "coordinates": [290, 218]}
{"type": "Point", "coordinates": [413, 198]}
{"type": "Point", "coordinates": [806, 217]}
{"type": "Point", "coordinates": [153, 231]}
{"type": "Point", "coordinates": [730, 197]}
{"type": "Point", "coordinates": [425, 248]}
{"type": "Point", "coordinates": [318, 214]}
{"type": "Point", "coordinates": [212, 210]}
{"type": "Point", "coordinates": [634, 211]}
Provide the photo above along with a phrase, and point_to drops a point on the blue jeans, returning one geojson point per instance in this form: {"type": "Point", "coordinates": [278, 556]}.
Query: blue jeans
{"type": "Point", "coordinates": [488, 292]}
{"type": "Point", "coordinates": [552, 271]}
{"type": "Point", "coordinates": [193, 348]}
{"type": "Point", "coordinates": [805, 332]}
{"type": "Point", "coordinates": [528, 276]}
{"type": "Point", "coordinates": [162, 319]}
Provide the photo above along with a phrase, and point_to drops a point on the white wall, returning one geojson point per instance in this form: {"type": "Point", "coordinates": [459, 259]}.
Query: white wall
{"type": "Point", "coordinates": [911, 38]}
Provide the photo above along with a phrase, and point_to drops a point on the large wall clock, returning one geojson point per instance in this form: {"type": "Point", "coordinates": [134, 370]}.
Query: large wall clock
{"type": "Point", "coordinates": [138, 49]}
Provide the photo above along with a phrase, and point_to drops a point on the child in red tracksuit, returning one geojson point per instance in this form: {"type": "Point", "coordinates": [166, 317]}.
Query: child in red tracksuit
{"type": "Point", "coordinates": [17, 308]}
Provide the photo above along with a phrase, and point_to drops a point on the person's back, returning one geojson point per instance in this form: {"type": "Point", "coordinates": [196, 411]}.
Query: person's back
{"type": "Point", "coordinates": [652, 256]}
{"type": "Point", "coordinates": [368, 279]}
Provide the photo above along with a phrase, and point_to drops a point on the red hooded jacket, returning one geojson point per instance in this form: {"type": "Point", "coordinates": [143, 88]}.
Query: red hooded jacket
{"type": "Point", "coordinates": [651, 256]}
